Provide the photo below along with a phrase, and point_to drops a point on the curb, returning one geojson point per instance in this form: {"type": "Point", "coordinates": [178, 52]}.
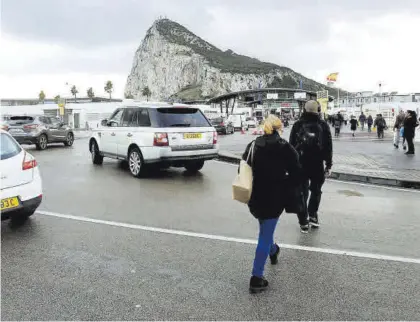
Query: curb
{"type": "Point", "coordinates": [230, 158]}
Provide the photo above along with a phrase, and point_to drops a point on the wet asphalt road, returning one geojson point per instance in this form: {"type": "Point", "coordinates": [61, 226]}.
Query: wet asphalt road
{"type": "Point", "coordinates": [65, 269]}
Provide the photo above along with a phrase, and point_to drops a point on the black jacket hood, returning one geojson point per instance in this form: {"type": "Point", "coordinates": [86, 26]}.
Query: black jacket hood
{"type": "Point", "coordinates": [269, 141]}
{"type": "Point", "coordinates": [310, 117]}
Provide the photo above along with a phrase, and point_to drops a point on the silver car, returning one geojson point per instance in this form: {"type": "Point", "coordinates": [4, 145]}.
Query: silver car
{"type": "Point", "coordinates": [39, 130]}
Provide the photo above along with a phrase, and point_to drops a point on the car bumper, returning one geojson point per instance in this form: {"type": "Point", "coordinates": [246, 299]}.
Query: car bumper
{"type": "Point", "coordinates": [29, 195]}
{"type": "Point", "coordinates": [26, 139]}
{"type": "Point", "coordinates": [166, 154]}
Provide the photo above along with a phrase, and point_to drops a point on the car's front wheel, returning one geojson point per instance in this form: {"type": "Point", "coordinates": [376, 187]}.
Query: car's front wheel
{"type": "Point", "coordinates": [194, 166]}
{"type": "Point", "coordinates": [42, 142]}
{"type": "Point", "coordinates": [97, 158]}
{"type": "Point", "coordinates": [69, 139]}
{"type": "Point", "coordinates": [135, 163]}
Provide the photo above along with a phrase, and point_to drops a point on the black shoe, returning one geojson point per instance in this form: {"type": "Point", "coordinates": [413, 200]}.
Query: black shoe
{"type": "Point", "coordinates": [304, 229]}
{"type": "Point", "coordinates": [404, 147]}
{"type": "Point", "coordinates": [396, 146]}
{"type": "Point", "coordinates": [275, 257]}
{"type": "Point", "coordinates": [409, 153]}
{"type": "Point", "coordinates": [257, 284]}
{"type": "Point", "coordinates": [313, 222]}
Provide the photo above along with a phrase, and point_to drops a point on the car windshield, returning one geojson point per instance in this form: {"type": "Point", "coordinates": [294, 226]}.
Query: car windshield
{"type": "Point", "coordinates": [20, 120]}
{"type": "Point", "coordinates": [180, 117]}
{"type": "Point", "coordinates": [8, 147]}
{"type": "Point", "coordinates": [217, 120]}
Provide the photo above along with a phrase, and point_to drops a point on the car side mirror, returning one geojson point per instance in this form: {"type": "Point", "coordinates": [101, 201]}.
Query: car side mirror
{"type": "Point", "coordinates": [104, 122]}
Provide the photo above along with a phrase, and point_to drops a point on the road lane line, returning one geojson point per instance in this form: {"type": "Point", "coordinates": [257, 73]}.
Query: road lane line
{"type": "Point", "coordinates": [345, 182]}
{"type": "Point", "coordinates": [231, 239]}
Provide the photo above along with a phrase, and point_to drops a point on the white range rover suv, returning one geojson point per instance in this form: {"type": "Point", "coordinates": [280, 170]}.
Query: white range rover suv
{"type": "Point", "coordinates": [160, 134]}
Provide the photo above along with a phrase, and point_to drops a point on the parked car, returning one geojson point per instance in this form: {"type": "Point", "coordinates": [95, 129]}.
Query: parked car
{"type": "Point", "coordinates": [222, 125]}
{"type": "Point", "coordinates": [21, 186]}
{"type": "Point", "coordinates": [251, 122]}
{"type": "Point", "coordinates": [39, 130]}
{"type": "Point", "coordinates": [158, 134]}
{"type": "Point", "coordinates": [238, 121]}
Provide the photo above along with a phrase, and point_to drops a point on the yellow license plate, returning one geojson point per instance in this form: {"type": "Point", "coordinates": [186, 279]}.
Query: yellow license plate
{"type": "Point", "coordinates": [192, 136]}
{"type": "Point", "coordinates": [8, 203]}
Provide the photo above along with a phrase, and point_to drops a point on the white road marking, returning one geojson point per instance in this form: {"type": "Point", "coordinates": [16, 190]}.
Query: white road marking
{"type": "Point", "coordinates": [346, 182]}
{"type": "Point", "coordinates": [232, 239]}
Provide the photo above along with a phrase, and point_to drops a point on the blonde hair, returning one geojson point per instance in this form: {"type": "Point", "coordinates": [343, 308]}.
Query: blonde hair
{"type": "Point", "coordinates": [272, 123]}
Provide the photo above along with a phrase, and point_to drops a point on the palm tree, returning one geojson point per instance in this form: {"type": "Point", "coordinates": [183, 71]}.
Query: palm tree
{"type": "Point", "coordinates": [90, 93]}
{"type": "Point", "coordinates": [146, 92]}
{"type": "Point", "coordinates": [109, 87]}
{"type": "Point", "coordinates": [41, 96]}
{"type": "Point", "coordinates": [57, 99]}
{"type": "Point", "coordinates": [74, 92]}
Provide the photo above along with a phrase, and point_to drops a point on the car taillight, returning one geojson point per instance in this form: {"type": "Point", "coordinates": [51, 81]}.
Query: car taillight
{"type": "Point", "coordinates": [214, 137]}
{"type": "Point", "coordinates": [29, 162]}
{"type": "Point", "coordinates": [30, 126]}
{"type": "Point", "coordinates": [222, 124]}
{"type": "Point", "coordinates": [161, 139]}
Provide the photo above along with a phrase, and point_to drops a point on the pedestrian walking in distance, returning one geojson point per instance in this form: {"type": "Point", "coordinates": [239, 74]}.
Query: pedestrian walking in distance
{"type": "Point", "coordinates": [410, 124]}
{"type": "Point", "coordinates": [353, 124]}
{"type": "Point", "coordinates": [369, 123]}
{"type": "Point", "coordinates": [380, 126]}
{"type": "Point", "coordinates": [275, 168]}
{"type": "Point", "coordinates": [311, 137]}
{"type": "Point", "coordinates": [338, 122]}
{"type": "Point", "coordinates": [399, 123]}
{"type": "Point", "coordinates": [362, 120]}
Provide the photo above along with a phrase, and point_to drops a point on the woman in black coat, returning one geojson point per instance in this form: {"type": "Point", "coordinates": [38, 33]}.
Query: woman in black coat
{"type": "Point", "coordinates": [275, 167]}
{"type": "Point", "coordinates": [410, 124]}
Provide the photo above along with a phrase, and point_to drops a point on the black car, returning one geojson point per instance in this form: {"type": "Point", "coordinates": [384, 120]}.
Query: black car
{"type": "Point", "coordinates": [39, 130]}
{"type": "Point", "coordinates": [222, 125]}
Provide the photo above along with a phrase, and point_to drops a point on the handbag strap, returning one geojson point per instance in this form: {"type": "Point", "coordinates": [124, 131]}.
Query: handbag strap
{"type": "Point", "coordinates": [251, 153]}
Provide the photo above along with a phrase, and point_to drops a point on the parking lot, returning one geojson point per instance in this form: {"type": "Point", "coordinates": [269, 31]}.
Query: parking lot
{"type": "Point", "coordinates": [107, 246]}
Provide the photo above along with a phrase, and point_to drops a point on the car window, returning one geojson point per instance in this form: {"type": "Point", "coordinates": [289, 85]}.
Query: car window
{"type": "Point", "coordinates": [8, 147]}
{"type": "Point", "coordinates": [141, 118]}
{"type": "Point", "coordinates": [20, 120]}
{"type": "Point", "coordinates": [127, 118]}
{"type": "Point", "coordinates": [45, 120]}
{"type": "Point", "coordinates": [179, 117]}
{"type": "Point", "coordinates": [115, 119]}
{"type": "Point", "coordinates": [55, 121]}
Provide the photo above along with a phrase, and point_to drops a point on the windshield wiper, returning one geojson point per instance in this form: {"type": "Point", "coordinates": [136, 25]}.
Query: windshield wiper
{"type": "Point", "coordinates": [180, 125]}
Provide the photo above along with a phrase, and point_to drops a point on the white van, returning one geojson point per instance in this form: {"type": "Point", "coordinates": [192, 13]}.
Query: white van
{"type": "Point", "coordinates": [238, 121]}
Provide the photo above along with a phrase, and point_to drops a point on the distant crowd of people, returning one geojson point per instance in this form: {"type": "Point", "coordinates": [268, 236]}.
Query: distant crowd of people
{"type": "Point", "coordinates": [404, 127]}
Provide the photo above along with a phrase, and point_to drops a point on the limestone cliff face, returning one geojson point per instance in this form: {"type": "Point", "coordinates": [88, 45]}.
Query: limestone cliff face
{"type": "Point", "coordinates": [174, 63]}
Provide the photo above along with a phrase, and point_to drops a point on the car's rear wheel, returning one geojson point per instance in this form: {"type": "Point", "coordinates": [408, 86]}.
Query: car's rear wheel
{"type": "Point", "coordinates": [42, 142]}
{"type": "Point", "coordinates": [135, 163]}
{"type": "Point", "coordinates": [96, 156]}
{"type": "Point", "coordinates": [194, 166]}
{"type": "Point", "coordinates": [69, 139]}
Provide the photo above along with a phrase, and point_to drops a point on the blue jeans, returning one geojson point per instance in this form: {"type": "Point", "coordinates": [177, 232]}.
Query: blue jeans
{"type": "Point", "coordinates": [265, 245]}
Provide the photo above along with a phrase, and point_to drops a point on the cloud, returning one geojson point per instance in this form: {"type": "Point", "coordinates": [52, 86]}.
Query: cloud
{"type": "Point", "coordinates": [363, 40]}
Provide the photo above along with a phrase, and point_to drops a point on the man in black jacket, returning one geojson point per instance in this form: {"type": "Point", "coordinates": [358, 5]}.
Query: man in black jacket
{"type": "Point", "coordinates": [311, 137]}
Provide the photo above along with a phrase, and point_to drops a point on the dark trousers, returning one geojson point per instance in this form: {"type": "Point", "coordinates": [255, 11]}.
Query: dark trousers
{"type": "Point", "coordinates": [313, 183]}
{"type": "Point", "coordinates": [380, 133]}
{"type": "Point", "coordinates": [369, 127]}
{"type": "Point", "coordinates": [410, 144]}
{"type": "Point", "coordinates": [265, 246]}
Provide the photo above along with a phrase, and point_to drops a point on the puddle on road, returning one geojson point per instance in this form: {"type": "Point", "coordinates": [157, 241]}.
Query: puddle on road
{"type": "Point", "coordinates": [350, 193]}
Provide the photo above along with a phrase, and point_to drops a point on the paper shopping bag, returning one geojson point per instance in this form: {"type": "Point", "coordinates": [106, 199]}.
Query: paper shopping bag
{"type": "Point", "coordinates": [242, 185]}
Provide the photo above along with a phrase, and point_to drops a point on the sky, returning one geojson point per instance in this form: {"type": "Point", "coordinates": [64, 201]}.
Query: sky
{"type": "Point", "coordinates": [46, 44]}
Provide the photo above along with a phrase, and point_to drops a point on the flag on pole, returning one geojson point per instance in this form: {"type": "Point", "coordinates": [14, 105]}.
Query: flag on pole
{"type": "Point", "coordinates": [301, 84]}
{"type": "Point", "coordinates": [332, 77]}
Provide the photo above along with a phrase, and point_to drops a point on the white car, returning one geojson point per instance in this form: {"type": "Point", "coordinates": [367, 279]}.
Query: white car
{"type": "Point", "coordinates": [21, 185]}
{"type": "Point", "coordinates": [251, 122]}
{"type": "Point", "coordinates": [160, 134]}
{"type": "Point", "coordinates": [238, 121]}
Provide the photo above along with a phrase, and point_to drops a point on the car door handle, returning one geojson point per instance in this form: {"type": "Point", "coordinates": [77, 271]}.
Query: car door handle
{"type": "Point", "coordinates": [129, 135]}
{"type": "Point", "coordinates": [112, 134]}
